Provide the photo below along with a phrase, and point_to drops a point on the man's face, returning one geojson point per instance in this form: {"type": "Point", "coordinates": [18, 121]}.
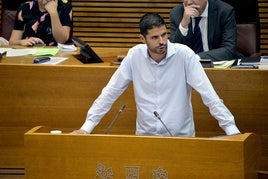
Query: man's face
{"type": "Point", "coordinates": [201, 3]}
{"type": "Point", "coordinates": [156, 40]}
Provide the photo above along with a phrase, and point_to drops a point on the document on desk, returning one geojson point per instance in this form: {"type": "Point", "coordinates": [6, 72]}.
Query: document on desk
{"type": "Point", "coordinates": [223, 64]}
{"type": "Point", "coordinates": [46, 51]}
{"type": "Point", "coordinates": [32, 52]}
{"type": "Point", "coordinates": [67, 48]}
{"type": "Point", "coordinates": [4, 50]}
{"type": "Point", "coordinates": [264, 63]}
{"type": "Point", "coordinates": [20, 52]}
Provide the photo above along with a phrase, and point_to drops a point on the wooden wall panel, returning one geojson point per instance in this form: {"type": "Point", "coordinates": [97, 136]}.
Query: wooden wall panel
{"type": "Point", "coordinates": [263, 13]}
{"type": "Point", "coordinates": [114, 23]}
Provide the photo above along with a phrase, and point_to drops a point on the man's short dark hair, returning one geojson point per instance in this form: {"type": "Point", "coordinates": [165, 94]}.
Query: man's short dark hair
{"type": "Point", "coordinates": [149, 21]}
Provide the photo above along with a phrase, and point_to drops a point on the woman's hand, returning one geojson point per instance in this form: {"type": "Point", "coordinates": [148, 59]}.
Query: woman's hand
{"type": "Point", "coordinates": [51, 6]}
{"type": "Point", "coordinates": [31, 41]}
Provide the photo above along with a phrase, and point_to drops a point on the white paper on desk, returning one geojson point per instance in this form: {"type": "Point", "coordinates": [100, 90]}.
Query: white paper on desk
{"type": "Point", "coordinates": [223, 64]}
{"type": "Point", "coordinates": [264, 60]}
{"type": "Point", "coordinates": [20, 52]}
{"type": "Point", "coordinates": [2, 50]}
{"type": "Point", "coordinates": [67, 48]}
{"type": "Point", "coordinates": [55, 60]}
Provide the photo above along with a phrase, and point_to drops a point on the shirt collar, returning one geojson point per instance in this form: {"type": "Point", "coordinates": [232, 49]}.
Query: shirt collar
{"type": "Point", "coordinates": [205, 12]}
{"type": "Point", "coordinates": [170, 51]}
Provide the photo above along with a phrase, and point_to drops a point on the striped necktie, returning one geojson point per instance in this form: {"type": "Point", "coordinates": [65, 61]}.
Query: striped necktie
{"type": "Point", "coordinates": [197, 37]}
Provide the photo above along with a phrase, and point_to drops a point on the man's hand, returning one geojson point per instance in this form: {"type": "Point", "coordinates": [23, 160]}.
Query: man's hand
{"type": "Point", "coordinates": [189, 11]}
{"type": "Point", "coordinates": [79, 131]}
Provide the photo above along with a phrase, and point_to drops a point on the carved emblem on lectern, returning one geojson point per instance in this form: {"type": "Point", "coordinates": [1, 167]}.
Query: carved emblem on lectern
{"type": "Point", "coordinates": [104, 173]}
{"type": "Point", "coordinates": [160, 173]}
{"type": "Point", "coordinates": [132, 172]}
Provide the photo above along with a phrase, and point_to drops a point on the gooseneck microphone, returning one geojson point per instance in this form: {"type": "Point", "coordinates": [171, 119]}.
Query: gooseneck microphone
{"type": "Point", "coordinates": [159, 118]}
{"type": "Point", "coordinates": [115, 118]}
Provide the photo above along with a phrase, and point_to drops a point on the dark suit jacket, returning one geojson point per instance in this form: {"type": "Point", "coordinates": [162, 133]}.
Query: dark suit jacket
{"type": "Point", "coordinates": [222, 34]}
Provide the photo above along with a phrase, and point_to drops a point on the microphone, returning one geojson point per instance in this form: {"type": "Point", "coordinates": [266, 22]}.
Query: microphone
{"type": "Point", "coordinates": [159, 118]}
{"type": "Point", "coordinates": [115, 118]}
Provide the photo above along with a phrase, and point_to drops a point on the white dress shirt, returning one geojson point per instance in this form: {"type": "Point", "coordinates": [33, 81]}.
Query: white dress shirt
{"type": "Point", "coordinates": [164, 87]}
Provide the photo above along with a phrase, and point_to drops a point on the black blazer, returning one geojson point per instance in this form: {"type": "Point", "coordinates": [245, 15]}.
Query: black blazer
{"type": "Point", "coordinates": [222, 33]}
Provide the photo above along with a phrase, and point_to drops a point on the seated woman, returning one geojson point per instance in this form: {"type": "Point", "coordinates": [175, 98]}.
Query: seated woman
{"type": "Point", "coordinates": [42, 21]}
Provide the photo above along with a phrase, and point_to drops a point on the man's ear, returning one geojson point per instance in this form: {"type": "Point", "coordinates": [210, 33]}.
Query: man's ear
{"type": "Point", "coordinates": [142, 38]}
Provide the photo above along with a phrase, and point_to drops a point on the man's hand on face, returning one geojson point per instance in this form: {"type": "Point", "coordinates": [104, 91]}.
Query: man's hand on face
{"type": "Point", "coordinates": [189, 11]}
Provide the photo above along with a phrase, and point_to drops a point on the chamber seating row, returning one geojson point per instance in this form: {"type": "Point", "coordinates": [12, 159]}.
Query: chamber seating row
{"type": "Point", "coordinates": [114, 23]}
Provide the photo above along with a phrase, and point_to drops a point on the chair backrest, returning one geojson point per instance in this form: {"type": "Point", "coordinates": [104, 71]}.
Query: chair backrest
{"type": "Point", "coordinates": [248, 30]}
{"type": "Point", "coordinates": [9, 9]}
{"type": "Point", "coordinates": [246, 39]}
{"type": "Point", "coordinates": [7, 23]}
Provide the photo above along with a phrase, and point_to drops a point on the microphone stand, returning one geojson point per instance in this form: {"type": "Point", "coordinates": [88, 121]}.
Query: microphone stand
{"type": "Point", "coordinates": [115, 118]}
{"type": "Point", "coordinates": [158, 117]}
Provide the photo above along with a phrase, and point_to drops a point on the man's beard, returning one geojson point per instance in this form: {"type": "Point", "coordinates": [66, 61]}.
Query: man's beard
{"type": "Point", "coordinates": [161, 49]}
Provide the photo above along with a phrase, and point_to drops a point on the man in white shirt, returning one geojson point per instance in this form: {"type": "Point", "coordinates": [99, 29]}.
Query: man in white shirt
{"type": "Point", "coordinates": [163, 75]}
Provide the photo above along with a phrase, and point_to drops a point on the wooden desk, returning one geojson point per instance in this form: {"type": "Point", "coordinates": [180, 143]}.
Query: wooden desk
{"type": "Point", "coordinates": [91, 156]}
{"type": "Point", "coordinates": [107, 55]}
{"type": "Point", "coordinates": [60, 95]}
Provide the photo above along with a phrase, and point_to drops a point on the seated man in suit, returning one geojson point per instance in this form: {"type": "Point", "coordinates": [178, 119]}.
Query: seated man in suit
{"type": "Point", "coordinates": [217, 25]}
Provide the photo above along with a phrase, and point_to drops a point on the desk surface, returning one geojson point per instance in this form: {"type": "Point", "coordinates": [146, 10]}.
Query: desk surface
{"type": "Point", "coordinates": [106, 54]}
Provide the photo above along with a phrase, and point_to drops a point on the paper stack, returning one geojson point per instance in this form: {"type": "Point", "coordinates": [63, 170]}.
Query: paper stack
{"type": "Point", "coordinates": [67, 48]}
{"type": "Point", "coordinates": [223, 64]}
{"type": "Point", "coordinates": [264, 63]}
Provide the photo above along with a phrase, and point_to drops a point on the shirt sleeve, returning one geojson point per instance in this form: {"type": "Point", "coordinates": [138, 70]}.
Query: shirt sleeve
{"type": "Point", "coordinates": [198, 79]}
{"type": "Point", "coordinates": [66, 14]}
{"type": "Point", "coordinates": [18, 23]}
{"type": "Point", "coordinates": [116, 86]}
{"type": "Point", "coordinates": [183, 30]}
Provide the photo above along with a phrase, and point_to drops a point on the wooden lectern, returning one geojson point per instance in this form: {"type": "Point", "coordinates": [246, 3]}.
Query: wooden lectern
{"type": "Point", "coordinates": [91, 156]}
